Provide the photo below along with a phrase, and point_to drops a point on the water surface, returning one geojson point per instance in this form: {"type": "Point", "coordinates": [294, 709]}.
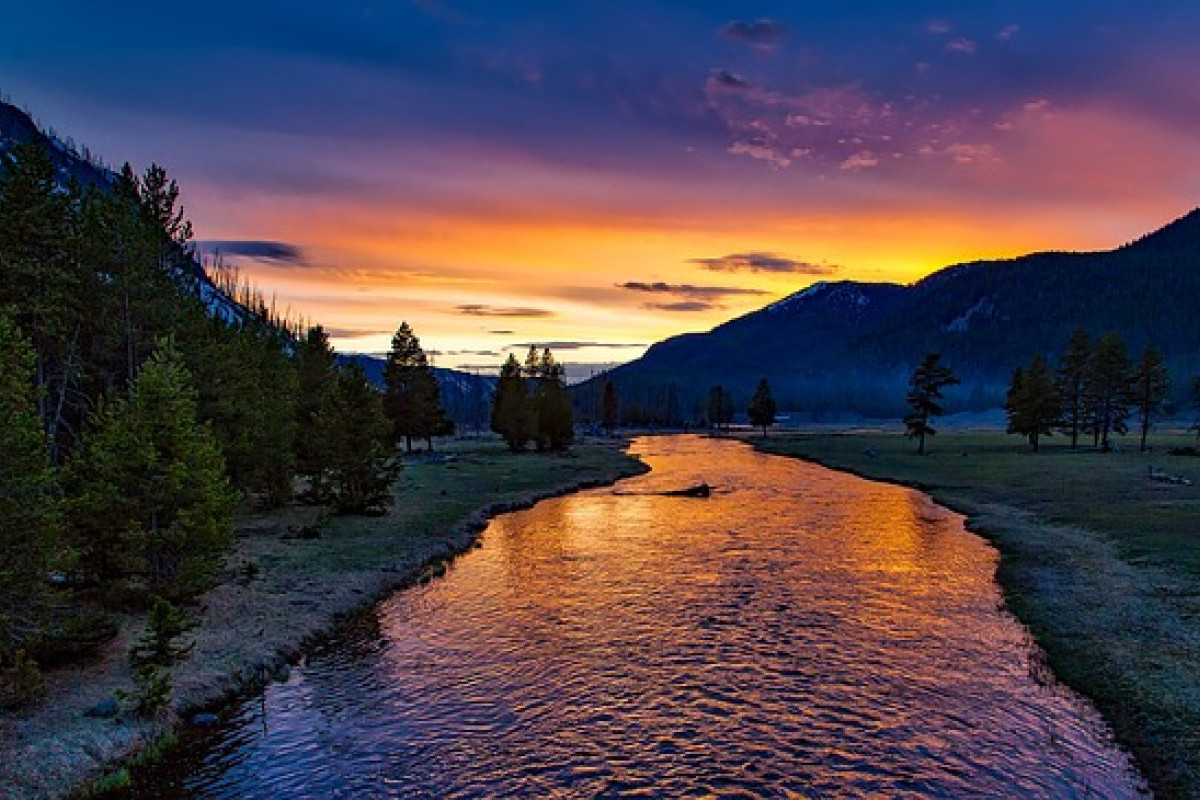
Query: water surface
{"type": "Point", "coordinates": [801, 634]}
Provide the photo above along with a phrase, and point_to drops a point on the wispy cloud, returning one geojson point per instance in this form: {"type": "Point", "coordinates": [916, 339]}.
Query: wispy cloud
{"type": "Point", "coordinates": [764, 262]}
{"type": "Point", "coordinates": [351, 333]}
{"type": "Point", "coordinates": [722, 79]}
{"type": "Point", "coordinates": [569, 345]}
{"type": "Point", "coordinates": [759, 32]}
{"type": "Point", "coordinates": [961, 44]}
{"type": "Point", "coordinates": [688, 290]}
{"type": "Point", "coordinates": [683, 305]}
{"type": "Point", "coordinates": [480, 310]}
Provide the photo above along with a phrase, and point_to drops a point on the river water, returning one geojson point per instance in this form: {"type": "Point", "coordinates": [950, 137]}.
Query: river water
{"type": "Point", "coordinates": [800, 634]}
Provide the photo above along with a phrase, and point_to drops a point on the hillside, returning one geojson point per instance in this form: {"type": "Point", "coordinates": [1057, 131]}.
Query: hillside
{"type": "Point", "coordinates": [849, 347]}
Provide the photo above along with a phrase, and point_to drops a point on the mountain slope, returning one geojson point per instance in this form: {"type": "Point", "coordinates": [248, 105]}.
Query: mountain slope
{"type": "Point", "coordinates": [849, 347]}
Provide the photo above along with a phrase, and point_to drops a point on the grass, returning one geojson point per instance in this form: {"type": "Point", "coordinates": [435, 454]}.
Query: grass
{"type": "Point", "coordinates": [296, 591]}
{"type": "Point", "coordinates": [1101, 562]}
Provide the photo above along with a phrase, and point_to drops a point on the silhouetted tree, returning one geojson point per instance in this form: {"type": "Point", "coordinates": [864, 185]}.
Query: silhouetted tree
{"type": "Point", "coordinates": [761, 410]}
{"type": "Point", "coordinates": [925, 390]}
{"type": "Point", "coordinates": [1032, 405]}
{"type": "Point", "coordinates": [612, 407]}
{"type": "Point", "coordinates": [720, 407]}
{"type": "Point", "coordinates": [1109, 380]}
{"type": "Point", "coordinates": [412, 399]}
{"type": "Point", "coordinates": [1071, 384]}
{"type": "Point", "coordinates": [1150, 387]}
{"type": "Point", "coordinates": [555, 423]}
{"type": "Point", "coordinates": [510, 406]}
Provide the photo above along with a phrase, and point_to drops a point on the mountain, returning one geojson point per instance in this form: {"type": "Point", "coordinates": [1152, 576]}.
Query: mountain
{"type": "Point", "coordinates": [466, 397]}
{"type": "Point", "coordinates": [849, 347]}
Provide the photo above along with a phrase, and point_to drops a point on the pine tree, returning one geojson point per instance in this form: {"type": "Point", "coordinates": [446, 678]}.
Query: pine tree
{"type": "Point", "coordinates": [612, 407]}
{"type": "Point", "coordinates": [1109, 380]}
{"type": "Point", "coordinates": [1032, 404]}
{"type": "Point", "coordinates": [720, 407]}
{"type": "Point", "coordinates": [316, 383]}
{"type": "Point", "coordinates": [761, 410]}
{"type": "Point", "coordinates": [412, 399]}
{"type": "Point", "coordinates": [511, 406]}
{"type": "Point", "coordinates": [29, 499]}
{"type": "Point", "coordinates": [148, 498]}
{"type": "Point", "coordinates": [552, 405]}
{"type": "Point", "coordinates": [362, 469]}
{"type": "Point", "coordinates": [1071, 384]}
{"type": "Point", "coordinates": [1150, 387]}
{"type": "Point", "coordinates": [925, 390]}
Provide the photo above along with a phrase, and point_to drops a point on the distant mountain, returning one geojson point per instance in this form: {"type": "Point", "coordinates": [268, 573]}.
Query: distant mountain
{"type": "Point", "coordinates": [848, 347]}
{"type": "Point", "coordinates": [466, 397]}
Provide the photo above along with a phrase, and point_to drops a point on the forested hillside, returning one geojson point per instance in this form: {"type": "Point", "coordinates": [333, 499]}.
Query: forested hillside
{"type": "Point", "coordinates": [845, 347]}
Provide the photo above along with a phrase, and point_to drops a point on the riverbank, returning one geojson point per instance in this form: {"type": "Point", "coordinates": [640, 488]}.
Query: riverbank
{"type": "Point", "coordinates": [1100, 560]}
{"type": "Point", "coordinates": [281, 591]}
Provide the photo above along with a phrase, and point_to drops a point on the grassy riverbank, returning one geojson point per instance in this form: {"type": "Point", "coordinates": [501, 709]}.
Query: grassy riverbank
{"type": "Point", "coordinates": [1099, 560]}
{"type": "Point", "coordinates": [280, 591]}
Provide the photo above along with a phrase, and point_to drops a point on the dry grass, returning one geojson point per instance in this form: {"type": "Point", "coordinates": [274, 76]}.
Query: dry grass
{"type": "Point", "coordinates": [1102, 564]}
{"type": "Point", "coordinates": [260, 617]}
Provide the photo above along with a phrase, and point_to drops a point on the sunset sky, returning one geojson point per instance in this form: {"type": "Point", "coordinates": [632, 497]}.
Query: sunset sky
{"type": "Point", "coordinates": [599, 176]}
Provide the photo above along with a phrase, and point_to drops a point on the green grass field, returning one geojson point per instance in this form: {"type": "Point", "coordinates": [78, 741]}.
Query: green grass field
{"type": "Point", "coordinates": [1099, 560]}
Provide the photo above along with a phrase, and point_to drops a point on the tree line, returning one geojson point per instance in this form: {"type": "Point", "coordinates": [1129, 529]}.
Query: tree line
{"type": "Point", "coordinates": [134, 416]}
{"type": "Point", "coordinates": [1093, 391]}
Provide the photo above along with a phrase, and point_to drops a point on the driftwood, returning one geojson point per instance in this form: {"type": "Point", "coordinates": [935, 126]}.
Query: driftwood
{"type": "Point", "coordinates": [699, 490]}
{"type": "Point", "coordinates": [1158, 475]}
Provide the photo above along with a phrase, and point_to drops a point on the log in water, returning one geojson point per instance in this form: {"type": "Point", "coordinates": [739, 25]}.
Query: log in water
{"type": "Point", "coordinates": [801, 633]}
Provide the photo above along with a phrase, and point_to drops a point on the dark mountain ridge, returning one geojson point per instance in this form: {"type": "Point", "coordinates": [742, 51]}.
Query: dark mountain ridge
{"type": "Point", "coordinates": [848, 347]}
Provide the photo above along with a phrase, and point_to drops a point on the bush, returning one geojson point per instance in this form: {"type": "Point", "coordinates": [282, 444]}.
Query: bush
{"type": "Point", "coordinates": [21, 682]}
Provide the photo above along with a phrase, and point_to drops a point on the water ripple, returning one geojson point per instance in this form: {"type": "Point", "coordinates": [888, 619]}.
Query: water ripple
{"type": "Point", "coordinates": [801, 634]}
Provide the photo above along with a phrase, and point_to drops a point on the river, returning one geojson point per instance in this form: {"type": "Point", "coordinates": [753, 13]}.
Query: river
{"type": "Point", "coordinates": [800, 634]}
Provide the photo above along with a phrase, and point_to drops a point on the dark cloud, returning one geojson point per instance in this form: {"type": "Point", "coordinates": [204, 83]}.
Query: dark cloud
{"type": "Point", "coordinates": [724, 79]}
{"type": "Point", "coordinates": [477, 310]}
{"type": "Point", "coordinates": [688, 290]}
{"type": "Point", "coordinates": [684, 305]}
{"type": "Point", "coordinates": [502, 333]}
{"type": "Point", "coordinates": [262, 250]}
{"type": "Point", "coordinates": [574, 345]}
{"type": "Point", "coordinates": [762, 31]}
{"type": "Point", "coordinates": [350, 333]}
{"type": "Point", "coordinates": [764, 262]}
{"type": "Point", "coordinates": [484, 353]}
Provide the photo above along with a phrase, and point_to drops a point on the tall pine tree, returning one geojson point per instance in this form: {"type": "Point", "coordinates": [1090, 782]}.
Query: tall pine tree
{"type": "Point", "coordinates": [1109, 379]}
{"type": "Point", "coordinates": [412, 399]}
{"type": "Point", "coordinates": [761, 410]}
{"type": "Point", "coordinates": [148, 499]}
{"type": "Point", "coordinates": [1033, 406]}
{"type": "Point", "coordinates": [1070, 381]}
{"type": "Point", "coordinates": [1150, 387]}
{"type": "Point", "coordinates": [511, 406]}
{"type": "Point", "coordinates": [925, 391]}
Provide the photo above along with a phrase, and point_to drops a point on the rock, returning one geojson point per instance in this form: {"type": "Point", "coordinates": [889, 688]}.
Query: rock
{"type": "Point", "coordinates": [699, 490]}
{"type": "Point", "coordinates": [105, 709]}
{"type": "Point", "coordinates": [203, 719]}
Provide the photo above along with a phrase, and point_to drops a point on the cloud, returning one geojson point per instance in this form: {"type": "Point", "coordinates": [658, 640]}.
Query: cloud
{"type": "Point", "coordinates": [938, 27]}
{"type": "Point", "coordinates": [351, 333]}
{"type": "Point", "coordinates": [961, 45]}
{"type": "Point", "coordinates": [688, 290]}
{"type": "Point", "coordinates": [502, 333]}
{"type": "Point", "coordinates": [484, 353]}
{"type": "Point", "coordinates": [721, 79]}
{"type": "Point", "coordinates": [1008, 32]}
{"type": "Point", "coordinates": [764, 262]}
{"type": "Point", "coordinates": [684, 305]}
{"type": "Point", "coordinates": [262, 250]}
{"type": "Point", "coordinates": [760, 152]}
{"type": "Point", "coordinates": [479, 310]}
{"type": "Point", "coordinates": [760, 32]}
{"type": "Point", "coordinates": [864, 159]}
{"type": "Point", "coordinates": [568, 345]}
